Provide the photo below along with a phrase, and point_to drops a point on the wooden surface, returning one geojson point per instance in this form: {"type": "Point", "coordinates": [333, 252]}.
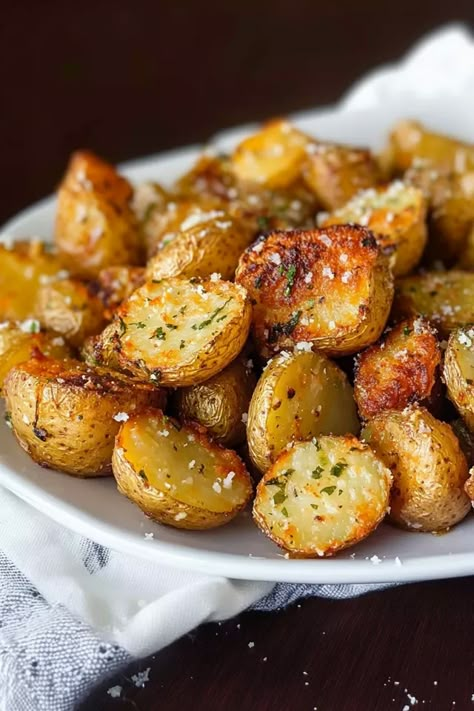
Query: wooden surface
{"type": "Point", "coordinates": [131, 78]}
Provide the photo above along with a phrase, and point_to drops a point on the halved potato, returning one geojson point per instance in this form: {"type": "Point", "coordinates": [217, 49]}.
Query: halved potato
{"type": "Point", "coordinates": [299, 395]}
{"type": "Point", "coordinates": [273, 157]}
{"type": "Point", "coordinates": [322, 496]}
{"type": "Point", "coordinates": [178, 332]}
{"type": "Point", "coordinates": [95, 224]}
{"type": "Point", "coordinates": [66, 414]}
{"type": "Point", "coordinates": [336, 173]}
{"type": "Point", "coordinates": [396, 214]}
{"type": "Point", "coordinates": [24, 267]}
{"type": "Point", "coordinates": [22, 341]}
{"type": "Point", "coordinates": [400, 369]}
{"type": "Point", "coordinates": [428, 466]}
{"type": "Point", "coordinates": [177, 475]}
{"type": "Point", "coordinates": [444, 298]}
{"type": "Point", "coordinates": [459, 372]}
{"type": "Point", "coordinates": [332, 288]}
{"type": "Point", "coordinates": [221, 403]}
{"type": "Point", "coordinates": [68, 308]}
{"type": "Point", "coordinates": [115, 284]}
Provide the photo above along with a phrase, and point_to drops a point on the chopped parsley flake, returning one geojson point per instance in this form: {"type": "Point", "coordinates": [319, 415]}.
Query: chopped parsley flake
{"type": "Point", "coordinates": [279, 497]}
{"type": "Point", "coordinates": [143, 476]}
{"type": "Point", "coordinates": [316, 473]}
{"type": "Point", "coordinates": [159, 333]}
{"type": "Point", "coordinates": [328, 490]}
{"type": "Point", "coordinates": [338, 468]}
{"type": "Point", "coordinates": [284, 329]}
{"type": "Point", "coordinates": [263, 223]}
{"type": "Point", "coordinates": [406, 331]}
{"type": "Point", "coordinates": [139, 324]}
{"type": "Point", "coordinates": [284, 512]}
{"type": "Point", "coordinates": [290, 273]}
{"type": "Point", "coordinates": [208, 321]}
{"type": "Point", "coordinates": [123, 326]}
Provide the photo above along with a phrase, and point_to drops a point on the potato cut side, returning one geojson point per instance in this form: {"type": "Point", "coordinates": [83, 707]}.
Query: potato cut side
{"type": "Point", "coordinates": [299, 395]}
{"type": "Point", "coordinates": [400, 369]}
{"type": "Point", "coordinates": [428, 467]}
{"type": "Point", "coordinates": [444, 298]}
{"type": "Point", "coordinates": [322, 496]}
{"type": "Point", "coordinates": [396, 214]}
{"type": "Point", "coordinates": [330, 287]}
{"type": "Point", "coordinates": [177, 475]}
{"type": "Point", "coordinates": [459, 373]}
{"type": "Point", "coordinates": [179, 332]}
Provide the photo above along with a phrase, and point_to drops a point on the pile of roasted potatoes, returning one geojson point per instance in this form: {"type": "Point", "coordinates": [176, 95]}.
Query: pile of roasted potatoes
{"type": "Point", "coordinates": [291, 324]}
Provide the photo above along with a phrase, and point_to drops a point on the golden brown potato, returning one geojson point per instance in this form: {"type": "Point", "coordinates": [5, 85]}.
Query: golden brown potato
{"type": "Point", "coordinates": [148, 197]}
{"type": "Point", "coordinates": [178, 332]}
{"type": "Point", "coordinates": [177, 475]}
{"type": "Point", "coordinates": [332, 288]}
{"type": "Point", "coordinates": [428, 466]}
{"type": "Point", "coordinates": [410, 140]}
{"type": "Point", "coordinates": [95, 224]}
{"type": "Point", "coordinates": [68, 308]}
{"type": "Point", "coordinates": [396, 214]}
{"type": "Point", "coordinates": [221, 403]}
{"type": "Point", "coordinates": [66, 414]}
{"type": "Point", "coordinates": [322, 496]}
{"type": "Point", "coordinates": [444, 298]}
{"type": "Point", "coordinates": [115, 284]}
{"type": "Point", "coordinates": [272, 157]}
{"type": "Point", "coordinates": [336, 173]}
{"type": "Point", "coordinates": [299, 395]}
{"type": "Point", "coordinates": [459, 372]}
{"type": "Point", "coordinates": [212, 176]}
{"type": "Point", "coordinates": [22, 341]}
{"type": "Point", "coordinates": [24, 267]}
{"type": "Point", "coordinates": [202, 247]}
{"type": "Point", "coordinates": [469, 485]}
{"type": "Point", "coordinates": [403, 367]}
{"type": "Point", "coordinates": [466, 442]}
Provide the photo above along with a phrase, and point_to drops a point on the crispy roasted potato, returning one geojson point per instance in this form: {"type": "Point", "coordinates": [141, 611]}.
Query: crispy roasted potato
{"type": "Point", "coordinates": [428, 466]}
{"type": "Point", "coordinates": [66, 414]}
{"type": "Point", "coordinates": [336, 173]}
{"type": "Point", "coordinates": [148, 197]}
{"type": "Point", "coordinates": [272, 157]}
{"type": "Point", "coordinates": [68, 308]}
{"type": "Point", "coordinates": [299, 395]}
{"type": "Point", "coordinates": [332, 288]}
{"type": "Point", "coordinates": [403, 367]}
{"type": "Point", "coordinates": [176, 474]}
{"type": "Point", "coordinates": [396, 214]}
{"type": "Point", "coordinates": [178, 332]}
{"type": "Point", "coordinates": [212, 176]}
{"type": "Point", "coordinates": [444, 298]}
{"type": "Point", "coordinates": [459, 372]}
{"type": "Point", "coordinates": [202, 247]}
{"type": "Point", "coordinates": [466, 442]}
{"type": "Point", "coordinates": [469, 485]}
{"type": "Point", "coordinates": [115, 284]}
{"type": "Point", "coordinates": [22, 341]}
{"type": "Point", "coordinates": [95, 224]}
{"type": "Point", "coordinates": [410, 140]}
{"type": "Point", "coordinates": [24, 267]}
{"type": "Point", "coordinates": [221, 403]}
{"type": "Point", "coordinates": [322, 496]}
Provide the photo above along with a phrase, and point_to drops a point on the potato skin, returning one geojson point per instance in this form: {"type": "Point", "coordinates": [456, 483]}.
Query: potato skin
{"type": "Point", "coordinates": [403, 367]}
{"type": "Point", "coordinates": [163, 504]}
{"type": "Point", "coordinates": [332, 288]}
{"type": "Point", "coordinates": [62, 412]}
{"type": "Point", "coordinates": [115, 284]}
{"type": "Point", "coordinates": [95, 225]}
{"type": "Point", "coordinates": [299, 395]}
{"type": "Point", "coordinates": [459, 373]}
{"type": "Point", "coordinates": [218, 404]}
{"type": "Point", "coordinates": [428, 466]}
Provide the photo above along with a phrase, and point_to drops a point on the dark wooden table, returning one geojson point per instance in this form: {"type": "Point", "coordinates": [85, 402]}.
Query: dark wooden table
{"type": "Point", "coordinates": [131, 78]}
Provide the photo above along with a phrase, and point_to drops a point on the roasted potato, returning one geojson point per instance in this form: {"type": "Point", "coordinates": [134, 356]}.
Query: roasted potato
{"type": "Point", "coordinates": [24, 267]}
{"type": "Point", "coordinates": [444, 298]}
{"type": "Point", "coordinates": [148, 197]}
{"type": "Point", "coordinates": [115, 284]}
{"type": "Point", "coordinates": [403, 367]}
{"type": "Point", "coordinates": [336, 173]}
{"type": "Point", "coordinates": [22, 341]}
{"type": "Point", "coordinates": [466, 442]}
{"type": "Point", "coordinates": [396, 214]}
{"type": "Point", "coordinates": [202, 247]}
{"type": "Point", "coordinates": [95, 224]}
{"type": "Point", "coordinates": [299, 395]}
{"type": "Point", "coordinates": [428, 466]}
{"type": "Point", "coordinates": [469, 485]}
{"type": "Point", "coordinates": [459, 372]}
{"type": "Point", "coordinates": [332, 288]}
{"type": "Point", "coordinates": [322, 496]}
{"type": "Point", "coordinates": [178, 332]}
{"type": "Point", "coordinates": [221, 403]}
{"type": "Point", "coordinates": [410, 140]}
{"type": "Point", "coordinates": [66, 414]}
{"type": "Point", "coordinates": [68, 308]}
{"type": "Point", "coordinates": [176, 474]}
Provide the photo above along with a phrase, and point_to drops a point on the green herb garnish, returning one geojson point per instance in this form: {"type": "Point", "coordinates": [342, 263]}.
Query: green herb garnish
{"type": "Point", "coordinates": [143, 476]}
{"type": "Point", "coordinates": [284, 329]}
{"type": "Point", "coordinates": [284, 512]}
{"type": "Point", "coordinates": [279, 497]}
{"type": "Point", "coordinates": [406, 331]}
{"type": "Point", "coordinates": [159, 334]}
{"type": "Point", "coordinates": [208, 321]}
{"type": "Point", "coordinates": [139, 324]}
{"type": "Point", "coordinates": [171, 326]}
{"type": "Point", "coordinates": [314, 506]}
{"type": "Point", "coordinates": [263, 223]}
{"type": "Point", "coordinates": [290, 273]}
{"type": "Point", "coordinates": [182, 345]}
{"type": "Point", "coordinates": [123, 326]}
{"type": "Point", "coordinates": [338, 468]}
{"type": "Point", "coordinates": [328, 490]}
{"type": "Point", "coordinates": [316, 473]}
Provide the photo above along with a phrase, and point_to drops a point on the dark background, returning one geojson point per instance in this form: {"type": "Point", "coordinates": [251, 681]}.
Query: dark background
{"type": "Point", "coordinates": [131, 78]}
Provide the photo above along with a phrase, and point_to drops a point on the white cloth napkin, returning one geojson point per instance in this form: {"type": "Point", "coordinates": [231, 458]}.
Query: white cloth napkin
{"type": "Point", "coordinates": [72, 611]}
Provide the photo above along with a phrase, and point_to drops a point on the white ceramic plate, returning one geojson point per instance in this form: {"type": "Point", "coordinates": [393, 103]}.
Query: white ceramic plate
{"type": "Point", "coordinates": [239, 550]}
